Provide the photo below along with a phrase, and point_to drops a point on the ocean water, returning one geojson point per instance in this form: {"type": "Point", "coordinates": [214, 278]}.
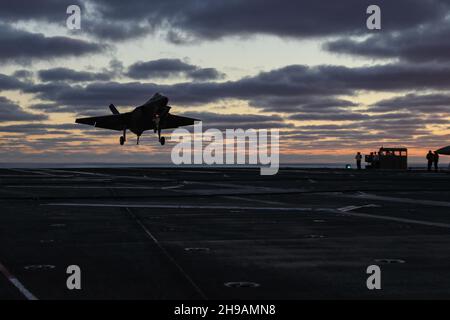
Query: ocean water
{"type": "Point", "coordinates": [165, 165]}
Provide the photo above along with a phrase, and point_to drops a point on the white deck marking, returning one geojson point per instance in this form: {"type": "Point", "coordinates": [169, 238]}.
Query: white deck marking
{"type": "Point", "coordinates": [11, 278]}
{"type": "Point", "coordinates": [201, 171]}
{"type": "Point", "coordinates": [363, 195]}
{"type": "Point", "coordinates": [226, 185]}
{"type": "Point", "coordinates": [109, 175]}
{"type": "Point", "coordinates": [374, 216]}
{"type": "Point", "coordinates": [22, 176]}
{"type": "Point", "coordinates": [349, 211]}
{"type": "Point", "coordinates": [166, 253]}
{"type": "Point", "coordinates": [36, 172]}
{"type": "Point", "coordinates": [351, 208]}
{"type": "Point", "coordinates": [255, 200]}
{"type": "Point", "coordinates": [94, 187]}
{"type": "Point", "coordinates": [236, 188]}
{"type": "Point", "coordinates": [80, 172]}
{"type": "Point", "coordinates": [51, 179]}
{"type": "Point", "coordinates": [167, 206]}
{"type": "Point", "coordinates": [239, 186]}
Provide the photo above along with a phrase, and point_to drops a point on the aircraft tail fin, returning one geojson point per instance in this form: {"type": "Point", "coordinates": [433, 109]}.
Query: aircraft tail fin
{"type": "Point", "coordinates": [113, 109]}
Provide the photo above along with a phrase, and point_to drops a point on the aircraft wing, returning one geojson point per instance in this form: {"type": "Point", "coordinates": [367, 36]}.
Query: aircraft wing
{"type": "Point", "coordinates": [172, 121]}
{"type": "Point", "coordinates": [112, 122]}
{"type": "Point", "coordinates": [444, 151]}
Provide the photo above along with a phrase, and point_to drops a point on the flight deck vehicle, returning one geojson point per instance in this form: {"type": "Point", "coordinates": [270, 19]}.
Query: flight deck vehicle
{"type": "Point", "coordinates": [388, 159]}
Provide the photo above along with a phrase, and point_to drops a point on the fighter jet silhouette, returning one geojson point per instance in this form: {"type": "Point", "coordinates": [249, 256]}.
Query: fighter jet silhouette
{"type": "Point", "coordinates": [152, 115]}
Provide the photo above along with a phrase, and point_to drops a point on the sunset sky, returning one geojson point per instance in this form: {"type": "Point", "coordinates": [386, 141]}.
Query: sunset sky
{"type": "Point", "coordinates": [312, 69]}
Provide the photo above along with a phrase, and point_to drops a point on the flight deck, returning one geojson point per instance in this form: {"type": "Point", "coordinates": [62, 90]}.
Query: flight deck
{"type": "Point", "coordinates": [223, 233]}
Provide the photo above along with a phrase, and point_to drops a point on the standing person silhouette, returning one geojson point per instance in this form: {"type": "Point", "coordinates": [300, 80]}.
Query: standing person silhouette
{"type": "Point", "coordinates": [376, 160]}
{"type": "Point", "coordinates": [358, 158]}
{"type": "Point", "coordinates": [430, 159]}
{"type": "Point", "coordinates": [436, 161]}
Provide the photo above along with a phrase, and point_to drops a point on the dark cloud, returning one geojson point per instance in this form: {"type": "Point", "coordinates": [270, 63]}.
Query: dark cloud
{"type": "Point", "coordinates": [367, 120]}
{"type": "Point", "coordinates": [105, 29]}
{"type": "Point", "coordinates": [93, 22]}
{"type": "Point", "coordinates": [329, 116]}
{"type": "Point", "coordinates": [23, 47]}
{"type": "Point", "coordinates": [427, 103]}
{"type": "Point", "coordinates": [115, 67]}
{"type": "Point", "coordinates": [43, 10]}
{"type": "Point", "coordinates": [9, 111]}
{"type": "Point", "coordinates": [93, 96]}
{"type": "Point", "coordinates": [10, 83]}
{"type": "Point", "coordinates": [47, 107]}
{"type": "Point", "coordinates": [166, 68]}
{"type": "Point", "coordinates": [412, 122]}
{"type": "Point", "coordinates": [69, 75]}
{"type": "Point", "coordinates": [38, 128]}
{"type": "Point", "coordinates": [215, 18]}
{"type": "Point", "coordinates": [400, 127]}
{"type": "Point", "coordinates": [205, 74]}
{"type": "Point", "coordinates": [158, 68]}
{"type": "Point", "coordinates": [296, 104]}
{"type": "Point", "coordinates": [241, 121]}
{"type": "Point", "coordinates": [304, 83]}
{"type": "Point", "coordinates": [23, 74]}
{"type": "Point", "coordinates": [424, 43]}
{"type": "Point", "coordinates": [209, 20]}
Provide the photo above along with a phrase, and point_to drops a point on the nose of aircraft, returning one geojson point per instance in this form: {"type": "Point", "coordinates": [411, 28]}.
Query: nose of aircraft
{"type": "Point", "coordinates": [160, 97]}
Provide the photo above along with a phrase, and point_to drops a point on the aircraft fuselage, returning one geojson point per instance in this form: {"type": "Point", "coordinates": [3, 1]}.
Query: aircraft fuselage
{"type": "Point", "coordinates": [143, 117]}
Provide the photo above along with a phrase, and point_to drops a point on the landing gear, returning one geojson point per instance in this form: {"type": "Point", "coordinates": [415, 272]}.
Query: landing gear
{"type": "Point", "coordinates": [162, 140]}
{"type": "Point", "coordinates": [137, 141]}
{"type": "Point", "coordinates": [124, 137]}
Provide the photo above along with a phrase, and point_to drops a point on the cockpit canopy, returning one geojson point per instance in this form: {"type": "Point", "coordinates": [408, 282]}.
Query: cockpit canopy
{"type": "Point", "coordinates": [157, 96]}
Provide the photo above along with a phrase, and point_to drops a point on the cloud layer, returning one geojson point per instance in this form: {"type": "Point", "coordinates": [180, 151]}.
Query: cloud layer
{"type": "Point", "coordinates": [319, 108]}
